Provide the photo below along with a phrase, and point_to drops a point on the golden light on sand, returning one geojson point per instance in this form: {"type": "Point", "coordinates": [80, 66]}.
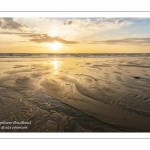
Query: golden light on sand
{"type": "Point", "coordinates": [55, 45]}
{"type": "Point", "coordinates": [55, 64]}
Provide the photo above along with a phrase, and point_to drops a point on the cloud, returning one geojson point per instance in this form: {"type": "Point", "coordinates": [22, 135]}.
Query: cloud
{"type": "Point", "coordinates": [97, 23]}
{"type": "Point", "coordinates": [11, 24]}
{"type": "Point", "coordinates": [41, 38]}
{"type": "Point", "coordinates": [120, 21]}
{"type": "Point", "coordinates": [69, 22]}
{"type": "Point", "coordinates": [16, 33]}
{"type": "Point", "coordinates": [44, 38]}
{"type": "Point", "coordinates": [124, 41]}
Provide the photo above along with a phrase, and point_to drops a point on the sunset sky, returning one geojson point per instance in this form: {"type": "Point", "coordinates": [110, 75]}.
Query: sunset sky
{"type": "Point", "coordinates": [75, 35]}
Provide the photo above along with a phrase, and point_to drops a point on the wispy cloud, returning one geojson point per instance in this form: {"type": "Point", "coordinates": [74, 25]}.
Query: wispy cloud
{"type": "Point", "coordinates": [11, 24]}
{"type": "Point", "coordinates": [40, 38]}
{"type": "Point", "coordinates": [123, 41]}
{"type": "Point", "coordinates": [102, 23]}
{"type": "Point", "coordinates": [44, 38]}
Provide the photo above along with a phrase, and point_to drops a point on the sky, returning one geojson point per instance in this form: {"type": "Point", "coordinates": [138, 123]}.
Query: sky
{"type": "Point", "coordinates": [75, 35]}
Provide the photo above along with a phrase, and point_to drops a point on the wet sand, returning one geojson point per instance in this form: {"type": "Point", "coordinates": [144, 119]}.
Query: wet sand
{"type": "Point", "coordinates": [97, 94]}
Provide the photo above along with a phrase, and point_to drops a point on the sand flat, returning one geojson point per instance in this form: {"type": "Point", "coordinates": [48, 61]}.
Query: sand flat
{"type": "Point", "coordinates": [88, 94]}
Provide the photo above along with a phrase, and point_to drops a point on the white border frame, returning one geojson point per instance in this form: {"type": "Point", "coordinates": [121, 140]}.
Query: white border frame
{"type": "Point", "coordinates": [77, 14]}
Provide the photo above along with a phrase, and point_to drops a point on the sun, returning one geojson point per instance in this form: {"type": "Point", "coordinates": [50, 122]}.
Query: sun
{"type": "Point", "coordinates": [55, 45]}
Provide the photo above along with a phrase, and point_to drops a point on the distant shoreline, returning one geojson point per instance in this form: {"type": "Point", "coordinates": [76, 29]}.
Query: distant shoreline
{"type": "Point", "coordinates": [5, 55]}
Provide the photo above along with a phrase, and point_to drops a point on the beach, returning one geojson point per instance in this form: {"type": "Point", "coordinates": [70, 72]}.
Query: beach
{"type": "Point", "coordinates": [75, 93]}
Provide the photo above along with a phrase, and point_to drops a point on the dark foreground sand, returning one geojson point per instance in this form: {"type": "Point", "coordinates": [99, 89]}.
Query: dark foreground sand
{"type": "Point", "coordinates": [75, 94]}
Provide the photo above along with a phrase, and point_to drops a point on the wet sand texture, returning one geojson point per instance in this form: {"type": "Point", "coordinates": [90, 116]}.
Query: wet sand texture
{"type": "Point", "coordinates": [109, 94]}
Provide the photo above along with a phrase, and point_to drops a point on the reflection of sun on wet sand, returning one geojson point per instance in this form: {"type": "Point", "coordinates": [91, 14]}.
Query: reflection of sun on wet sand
{"type": "Point", "coordinates": [76, 94]}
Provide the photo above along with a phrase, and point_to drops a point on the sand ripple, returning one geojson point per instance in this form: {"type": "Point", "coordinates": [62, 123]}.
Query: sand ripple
{"type": "Point", "coordinates": [84, 94]}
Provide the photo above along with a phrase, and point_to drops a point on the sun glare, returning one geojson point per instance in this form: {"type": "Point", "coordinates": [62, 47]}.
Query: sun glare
{"type": "Point", "coordinates": [55, 45]}
{"type": "Point", "coordinates": [56, 65]}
